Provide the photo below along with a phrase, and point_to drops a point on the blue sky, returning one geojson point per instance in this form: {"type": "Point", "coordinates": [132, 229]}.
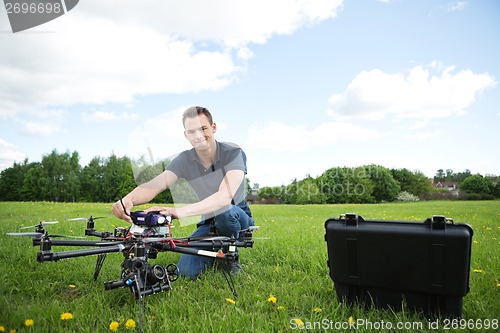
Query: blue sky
{"type": "Point", "coordinates": [301, 86]}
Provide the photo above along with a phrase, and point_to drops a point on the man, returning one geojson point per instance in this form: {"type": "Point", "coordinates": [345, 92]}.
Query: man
{"type": "Point", "coordinates": [216, 173]}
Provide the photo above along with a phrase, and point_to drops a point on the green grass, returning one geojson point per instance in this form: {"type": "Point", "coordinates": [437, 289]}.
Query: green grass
{"type": "Point", "coordinates": [289, 265]}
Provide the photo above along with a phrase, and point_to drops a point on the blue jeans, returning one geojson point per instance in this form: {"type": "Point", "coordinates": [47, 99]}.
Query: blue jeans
{"type": "Point", "coordinates": [228, 223]}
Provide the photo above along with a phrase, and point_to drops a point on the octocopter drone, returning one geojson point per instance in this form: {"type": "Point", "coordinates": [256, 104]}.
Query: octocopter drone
{"type": "Point", "coordinates": [149, 235]}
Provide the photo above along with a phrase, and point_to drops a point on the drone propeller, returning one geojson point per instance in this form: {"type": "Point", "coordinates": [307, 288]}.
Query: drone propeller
{"type": "Point", "coordinates": [41, 224]}
{"type": "Point", "coordinates": [251, 228]}
{"type": "Point", "coordinates": [26, 234]}
{"type": "Point", "coordinates": [39, 235]}
{"type": "Point", "coordinates": [86, 218]}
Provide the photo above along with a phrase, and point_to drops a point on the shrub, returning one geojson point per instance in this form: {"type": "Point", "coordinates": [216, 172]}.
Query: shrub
{"type": "Point", "coordinates": [407, 197]}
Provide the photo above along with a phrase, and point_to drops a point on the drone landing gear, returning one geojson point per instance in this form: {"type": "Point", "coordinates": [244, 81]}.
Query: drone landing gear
{"type": "Point", "coordinates": [98, 265]}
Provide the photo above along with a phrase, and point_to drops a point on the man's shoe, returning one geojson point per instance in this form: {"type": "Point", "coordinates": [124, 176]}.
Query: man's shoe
{"type": "Point", "coordinates": [234, 267]}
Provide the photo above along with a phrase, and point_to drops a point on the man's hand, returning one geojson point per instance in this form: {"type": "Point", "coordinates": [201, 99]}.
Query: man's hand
{"type": "Point", "coordinates": [121, 208]}
{"type": "Point", "coordinates": [165, 210]}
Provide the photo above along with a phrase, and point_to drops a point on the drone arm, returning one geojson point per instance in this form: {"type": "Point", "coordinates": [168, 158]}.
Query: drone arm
{"type": "Point", "coordinates": [65, 242]}
{"type": "Point", "coordinates": [211, 244]}
{"type": "Point", "coordinates": [186, 249]}
{"type": "Point", "coordinates": [54, 256]}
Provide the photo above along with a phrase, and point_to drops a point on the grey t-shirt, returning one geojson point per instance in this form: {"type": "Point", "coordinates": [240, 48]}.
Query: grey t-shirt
{"type": "Point", "coordinates": [206, 181]}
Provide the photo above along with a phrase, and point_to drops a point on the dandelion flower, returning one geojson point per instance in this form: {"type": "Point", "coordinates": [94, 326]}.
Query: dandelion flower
{"type": "Point", "coordinates": [230, 300]}
{"type": "Point", "coordinates": [281, 308]}
{"type": "Point", "coordinates": [2, 329]}
{"type": "Point", "coordinates": [72, 286]}
{"type": "Point", "coordinates": [498, 285]}
{"type": "Point", "coordinates": [114, 326]}
{"type": "Point", "coordinates": [28, 322]}
{"type": "Point", "coordinates": [478, 271]}
{"type": "Point", "coordinates": [350, 320]}
{"type": "Point", "coordinates": [298, 322]}
{"type": "Point", "coordinates": [272, 299]}
{"type": "Point", "coordinates": [130, 324]}
{"type": "Point", "coordinates": [318, 310]}
{"type": "Point", "coordinates": [66, 316]}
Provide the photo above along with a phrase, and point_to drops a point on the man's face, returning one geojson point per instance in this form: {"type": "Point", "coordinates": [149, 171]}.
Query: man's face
{"type": "Point", "coordinates": [199, 132]}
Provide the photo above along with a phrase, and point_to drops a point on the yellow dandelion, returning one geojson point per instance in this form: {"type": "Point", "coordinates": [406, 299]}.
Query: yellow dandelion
{"type": "Point", "coordinates": [281, 308]}
{"type": "Point", "coordinates": [498, 285]}
{"type": "Point", "coordinates": [272, 299]}
{"type": "Point", "coordinates": [478, 271]}
{"type": "Point", "coordinates": [72, 286]}
{"type": "Point", "coordinates": [28, 322]}
{"type": "Point", "coordinates": [350, 320]}
{"type": "Point", "coordinates": [66, 316]}
{"type": "Point", "coordinates": [230, 300]}
{"type": "Point", "coordinates": [12, 330]}
{"type": "Point", "coordinates": [298, 322]}
{"type": "Point", "coordinates": [130, 324]}
{"type": "Point", "coordinates": [2, 329]}
{"type": "Point", "coordinates": [318, 310]}
{"type": "Point", "coordinates": [114, 326]}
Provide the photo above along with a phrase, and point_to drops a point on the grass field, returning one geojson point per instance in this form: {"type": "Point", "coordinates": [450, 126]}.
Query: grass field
{"type": "Point", "coordinates": [285, 281]}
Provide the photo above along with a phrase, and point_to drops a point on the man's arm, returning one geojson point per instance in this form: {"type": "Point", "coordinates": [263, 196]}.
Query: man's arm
{"type": "Point", "coordinates": [143, 194]}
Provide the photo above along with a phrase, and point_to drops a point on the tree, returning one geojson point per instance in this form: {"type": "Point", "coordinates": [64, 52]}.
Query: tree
{"type": "Point", "coordinates": [440, 176]}
{"type": "Point", "coordinates": [421, 184]}
{"type": "Point", "coordinates": [118, 178]}
{"type": "Point", "coordinates": [415, 183]}
{"type": "Point", "coordinates": [91, 180]}
{"type": "Point", "coordinates": [346, 185]}
{"type": "Point", "coordinates": [385, 187]}
{"type": "Point", "coordinates": [308, 192]}
{"type": "Point", "coordinates": [34, 183]}
{"type": "Point", "coordinates": [271, 194]}
{"type": "Point", "coordinates": [477, 184]}
{"type": "Point", "coordinates": [11, 182]}
{"type": "Point", "coordinates": [460, 177]}
{"type": "Point", "coordinates": [60, 175]}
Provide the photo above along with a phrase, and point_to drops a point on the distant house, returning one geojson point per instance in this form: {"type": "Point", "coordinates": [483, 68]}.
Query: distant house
{"type": "Point", "coordinates": [450, 186]}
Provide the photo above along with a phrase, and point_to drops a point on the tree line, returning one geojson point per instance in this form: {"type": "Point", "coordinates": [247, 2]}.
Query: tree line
{"type": "Point", "coordinates": [59, 177]}
{"type": "Point", "coordinates": [375, 183]}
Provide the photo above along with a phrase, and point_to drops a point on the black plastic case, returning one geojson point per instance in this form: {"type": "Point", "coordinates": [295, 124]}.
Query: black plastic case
{"type": "Point", "coordinates": [424, 265]}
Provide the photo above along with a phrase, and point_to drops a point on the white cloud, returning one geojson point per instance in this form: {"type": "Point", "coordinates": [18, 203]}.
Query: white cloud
{"type": "Point", "coordinates": [9, 154]}
{"type": "Point", "coordinates": [422, 136]}
{"type": "Point", "coordinates": [420, 124]}
{"type": "Point", "coordinates": [230, 23]}
{"type": "Point", "coordinates": [374, 94]}
{"type": "Point", "coordinates": [103, 116]}
{"type": "Point", "coordinates": [42, 124]}
{"type": "Point", "coordinates": [458, 5]}
{"type": "Point", "coordinates": [112, 51]}
{"type": "Point", "coordinates": [281, 137]}
{"type": "Point", "coordinates": [158, 137]}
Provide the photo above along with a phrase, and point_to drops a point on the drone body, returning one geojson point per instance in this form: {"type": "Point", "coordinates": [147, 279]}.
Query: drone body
{"type": "Point", "coordinates": [149, 235]}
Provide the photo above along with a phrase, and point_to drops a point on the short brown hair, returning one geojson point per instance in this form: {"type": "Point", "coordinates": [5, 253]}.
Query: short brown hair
{"type": "Point", "coordinates": [196, 111]}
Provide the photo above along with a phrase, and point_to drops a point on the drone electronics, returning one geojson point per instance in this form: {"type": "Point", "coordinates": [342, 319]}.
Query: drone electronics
{"type": "Point", "coordinates": [148, 235]}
